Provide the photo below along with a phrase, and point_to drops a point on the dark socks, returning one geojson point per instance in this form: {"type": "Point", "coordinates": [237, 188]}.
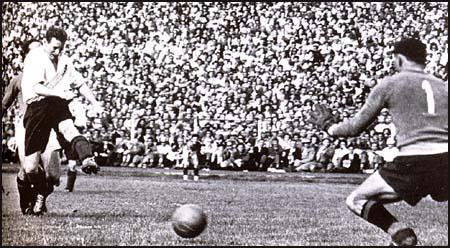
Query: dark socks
{"type": "Point", "coordinates": [27, 194]}
{"type": "Point", "coordinates": [71, 177]}
{"type": "Point", "coordinates": [82, 147]}
{"type": "Point", "coordinates": [376, 214]}
{"type": "Point", "coordinates": [39, 181]}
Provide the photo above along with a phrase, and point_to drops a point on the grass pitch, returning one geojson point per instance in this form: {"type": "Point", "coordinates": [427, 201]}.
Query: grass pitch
{"type": "Point", "coordinates": [132, 206]}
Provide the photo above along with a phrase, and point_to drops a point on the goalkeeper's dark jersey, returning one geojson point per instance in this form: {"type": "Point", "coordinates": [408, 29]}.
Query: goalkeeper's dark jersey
{"type": "Point", "coordinates": [418, 103]}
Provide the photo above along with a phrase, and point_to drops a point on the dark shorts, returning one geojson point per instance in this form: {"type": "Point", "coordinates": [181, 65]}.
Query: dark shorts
{"type": "Point", "coordinates": [415, 177]}
{"type": "Point", "coordinates": [40, 117]}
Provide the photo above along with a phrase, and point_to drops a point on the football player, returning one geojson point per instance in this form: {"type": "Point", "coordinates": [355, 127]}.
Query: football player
{"type": "Point", "coordinates": [78, 110]}
{"type": "Point", "coordinates": [50, 158]}
{"type": "Point", "coordinates": [191, 156]}
{"type": "Point", "coordinates": [48, 81]}
{"type": "Point", "coordinates": [418, 103]}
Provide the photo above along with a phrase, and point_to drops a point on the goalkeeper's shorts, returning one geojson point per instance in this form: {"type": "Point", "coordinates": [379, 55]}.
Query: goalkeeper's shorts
{"type": "Point", "coordinates": [415, 177]}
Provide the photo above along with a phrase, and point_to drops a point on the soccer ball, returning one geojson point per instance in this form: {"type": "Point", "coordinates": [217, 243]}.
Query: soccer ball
{"type": "Point", "coordinates": [189, 220]}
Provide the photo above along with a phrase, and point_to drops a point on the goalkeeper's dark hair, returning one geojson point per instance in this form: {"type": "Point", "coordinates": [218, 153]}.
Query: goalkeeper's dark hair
{"type": "Point", "coordinates": [413, 49]}
{"type": "Point", "coordinates": [26, 46]}
{"type": "Point", "coordinates": [57, 33]}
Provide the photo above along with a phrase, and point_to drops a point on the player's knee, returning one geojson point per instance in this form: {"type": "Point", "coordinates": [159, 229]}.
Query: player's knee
{"type": "Point", "coordinates": [351, 202]}
{"type": "Point", "coordinates": [68, 129]}
{"type": "Point", "coordinates": [31, 164]}
{"type": "Point", "coordinates": [30, 168]}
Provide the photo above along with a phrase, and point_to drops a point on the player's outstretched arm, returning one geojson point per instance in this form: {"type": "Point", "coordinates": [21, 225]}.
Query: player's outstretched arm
{"type": "Point", "coordinates": [353, 126]}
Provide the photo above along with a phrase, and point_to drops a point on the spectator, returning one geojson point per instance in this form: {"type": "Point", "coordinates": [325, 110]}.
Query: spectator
{"type": "Point", "coordinates": [240, 158]}
{"type": "Point", "coordinates": [136, 153]}
{"type": "Point", "coordinates": [349, 163]}
{"type": "Point", "coordinates": [255, 63]}
{"type": "Point", "coordinates": [294, 154]}
{"type": "Point", "coordinates": [390, 152]}
{"type": "Point", "coordinates": [340, 152]}
{"type": "Point", "coordinates": [375, 160]}
{"type": "Point", "coordinates": [324, 156]}
{"type": "Point", "coordinates": [227, 155]}
{"type": "Point", "coordinates": [151, 157]}
{"type": "Point", "coordinates": [307, 163]}
{"type": "Point", "coordinates": [386, 123]}
{"type": "Point", "coordinates": [218, 147]}
{"type": "Point", "coordinates": [277, 157]}
{"type": "Point", "coordinates": [164, 149]}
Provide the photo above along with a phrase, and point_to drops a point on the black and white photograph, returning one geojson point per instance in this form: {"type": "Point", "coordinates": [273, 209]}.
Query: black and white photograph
{"type": "Point", "coordinates": [224, 124]}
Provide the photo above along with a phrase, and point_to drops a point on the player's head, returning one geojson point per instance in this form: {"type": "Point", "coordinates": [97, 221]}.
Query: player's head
{"type": "Point", "coordinates": [29, 45]}
{"type": "Point", "coordinates": [410, 50]}
{"type": "Point", "coordinates": [56, 38]}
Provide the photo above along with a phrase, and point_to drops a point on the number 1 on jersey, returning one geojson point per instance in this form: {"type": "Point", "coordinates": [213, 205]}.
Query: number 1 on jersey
{"type": "Point", "coordinates": [430, 96]}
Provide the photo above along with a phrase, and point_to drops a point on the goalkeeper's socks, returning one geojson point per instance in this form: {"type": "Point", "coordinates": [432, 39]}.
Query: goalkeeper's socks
{"type": "Point", "coordinates": [375, 213]}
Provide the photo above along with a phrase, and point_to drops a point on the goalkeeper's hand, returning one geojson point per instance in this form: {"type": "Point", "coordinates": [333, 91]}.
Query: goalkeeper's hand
{"type": "Point", "coordinates": [322, 117]}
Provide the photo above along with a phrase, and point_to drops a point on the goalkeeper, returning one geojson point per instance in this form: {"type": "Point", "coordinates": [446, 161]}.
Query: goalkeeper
{"type": "Point", "coordinates": [418, 103]}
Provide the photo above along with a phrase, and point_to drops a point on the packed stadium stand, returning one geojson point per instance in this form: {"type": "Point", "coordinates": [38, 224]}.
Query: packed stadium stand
{"type": "Point", "coordinates": [241, 75]}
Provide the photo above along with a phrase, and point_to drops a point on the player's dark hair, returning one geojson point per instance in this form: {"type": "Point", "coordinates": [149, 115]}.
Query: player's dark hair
{"type": "Point", "coordinates": [413, 49]}
{"type": "Point", "coordinates": [57, 33]}
{"type": "Point", "coordinates": [26, 46]}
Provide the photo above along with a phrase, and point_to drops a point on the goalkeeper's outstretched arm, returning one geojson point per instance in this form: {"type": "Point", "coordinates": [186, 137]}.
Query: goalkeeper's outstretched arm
{"type": "Point", "coordinates": [366, 116]}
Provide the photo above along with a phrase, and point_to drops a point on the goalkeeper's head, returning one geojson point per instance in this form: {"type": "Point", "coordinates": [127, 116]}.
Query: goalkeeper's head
{"type": "Point", "coordinates": [411, 49]}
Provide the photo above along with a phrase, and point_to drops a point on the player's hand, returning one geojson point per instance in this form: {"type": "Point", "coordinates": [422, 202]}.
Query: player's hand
{"type": "Point", "coordinates": [322, 117]}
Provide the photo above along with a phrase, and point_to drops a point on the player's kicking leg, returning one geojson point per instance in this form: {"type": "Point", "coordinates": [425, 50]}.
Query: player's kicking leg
{"type": "Point", "coordinates": [367, 202]}
{"type": "Point", "coordinates": [80, 145]}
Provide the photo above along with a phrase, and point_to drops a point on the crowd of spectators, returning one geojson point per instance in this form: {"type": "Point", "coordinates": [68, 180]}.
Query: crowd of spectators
{"type": "Point", "coordinates": [242, 76]}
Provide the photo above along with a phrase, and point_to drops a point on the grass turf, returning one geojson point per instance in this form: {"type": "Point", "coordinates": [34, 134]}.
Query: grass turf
{"type": "Point", "coordinates": [132, 206]}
